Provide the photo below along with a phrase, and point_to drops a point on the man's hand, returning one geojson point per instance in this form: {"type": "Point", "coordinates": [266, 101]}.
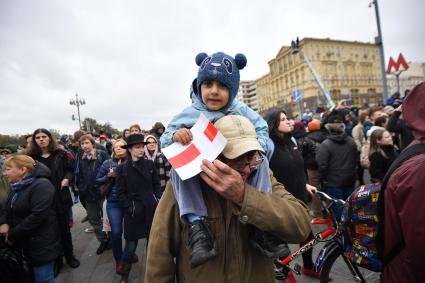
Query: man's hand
{"type": "Point", "coordinates": [4, 230]}
{"type": "Point", "coordinates": [224, 180]}
{"type": "Point", "coordinates": [310, 189]}
{"type": "Point", "coordinates": [183, 136]}
{"type": "Point", "coordinates": [64, 183]}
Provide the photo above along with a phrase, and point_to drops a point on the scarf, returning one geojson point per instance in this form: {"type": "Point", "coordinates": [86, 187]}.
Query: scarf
{"type": "Point", "coordinates": [18, 187]}
{"type": "Point", "coordinates": [91, 155]}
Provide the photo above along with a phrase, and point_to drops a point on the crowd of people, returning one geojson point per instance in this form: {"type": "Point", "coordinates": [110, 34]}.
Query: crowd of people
{"type": "Point", "coordinates": [240, 212]}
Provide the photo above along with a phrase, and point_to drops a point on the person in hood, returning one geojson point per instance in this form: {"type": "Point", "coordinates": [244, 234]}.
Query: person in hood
{"type": "Point", "coordinates": [157, 129]}
{"type": "Point", "coordinates": [30, 219]}
{"type": "Point", "coordinates": [337, 160]}
{"type": "Point", "coordinates": [162, 165]}
{"type": "Point", "coordinates": [217, 85]}
{"type": "Point", "coordinates": [404, 199]}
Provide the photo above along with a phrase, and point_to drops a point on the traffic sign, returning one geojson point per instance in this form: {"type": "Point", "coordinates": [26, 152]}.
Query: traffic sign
{"type": "Point", "coordinates": [296, 94]}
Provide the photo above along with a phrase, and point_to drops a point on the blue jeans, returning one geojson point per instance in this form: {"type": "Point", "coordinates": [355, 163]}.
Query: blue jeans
{"type": "Point", "coordinates": [339, 193]}
{"type": "Point", "coordinates": [44, 273]}
{"type": "Point", "coordinates": [129, 250]}
{"type": "Point", "coordinates": [116, 216]}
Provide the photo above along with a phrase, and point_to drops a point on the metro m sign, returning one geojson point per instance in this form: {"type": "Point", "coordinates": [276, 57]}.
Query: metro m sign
{"type": "Point", "coordinates": [396, 65]}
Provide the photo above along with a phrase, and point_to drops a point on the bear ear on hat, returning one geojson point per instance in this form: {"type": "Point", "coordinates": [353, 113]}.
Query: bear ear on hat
{"type": "Point", "coordinates": [200, 58]}
{"type": "Point", "coordinates": [240, 60]}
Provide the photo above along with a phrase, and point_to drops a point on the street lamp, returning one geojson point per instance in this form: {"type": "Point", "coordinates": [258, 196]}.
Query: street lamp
{"type": "Point", "coordinates": [77, 102]}
{"type": "Point", "coordinates": [379, 41]}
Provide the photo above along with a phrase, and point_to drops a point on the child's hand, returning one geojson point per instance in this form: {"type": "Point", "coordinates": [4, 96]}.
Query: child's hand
{"type": "Point", "coordinates": [183, 136]}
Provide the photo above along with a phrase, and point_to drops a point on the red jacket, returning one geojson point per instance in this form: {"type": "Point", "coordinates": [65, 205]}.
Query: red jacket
{"type": "Point", "coordinates": [405, 202]}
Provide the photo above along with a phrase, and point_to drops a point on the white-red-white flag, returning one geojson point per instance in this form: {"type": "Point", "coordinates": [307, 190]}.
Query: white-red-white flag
{"type": "Point", "coordinates": [207, 143]}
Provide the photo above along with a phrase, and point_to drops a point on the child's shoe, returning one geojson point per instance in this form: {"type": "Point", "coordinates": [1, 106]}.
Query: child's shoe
{"type": "Point", "coordinates": [201, 243]}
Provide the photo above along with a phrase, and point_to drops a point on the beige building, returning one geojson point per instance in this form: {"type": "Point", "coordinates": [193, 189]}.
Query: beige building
{"type": "Point", "coordinates": [346, 69]}
{"type": "Point", "coordinates": [247, 94]}
{"type": "Point", "coordinates": [408, 79]}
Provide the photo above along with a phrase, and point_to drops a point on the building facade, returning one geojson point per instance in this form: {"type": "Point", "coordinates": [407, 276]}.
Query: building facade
{"type": "Point", "coordinates": [348, 70]}
{"type": "Point", "coordinates": [247, 94]}
{"type": "Point", "coordinates": [408, 79]}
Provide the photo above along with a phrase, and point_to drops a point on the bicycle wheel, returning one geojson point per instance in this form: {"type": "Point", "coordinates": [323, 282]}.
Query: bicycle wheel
{"type": "Point", "coordinates": [342, 270]}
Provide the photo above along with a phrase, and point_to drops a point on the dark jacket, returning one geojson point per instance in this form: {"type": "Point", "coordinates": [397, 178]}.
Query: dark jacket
{"type": "Point", "coordinates": [61, 167]}
{"type": "Point", "coordinates": [4, 192]}
{"type": "Point", "coordinates": [107, 146]}
{"type": "Point", "coordinates": [86, 171]}
{"type": "Point", "coordinates": [310, 148]}
{"type": "Point", "coordinates": [404, 201]}
{"type": "Point", "coordinates": [102, 178]}
{"type": "Point", "coordinates": [380, 164]}
{"type": "Point", "coordinates": [32, 220]}
{"type": "Point", "coordinates": [337, 160]}
{"type": "Point", "coordinates": [287, 165]}
{"type": "Point", "coordinates": [168, 254]}
{"type": "Point", "coordinates": [139, 183]}
{"type": "Point", "coordinates": [397, 125]}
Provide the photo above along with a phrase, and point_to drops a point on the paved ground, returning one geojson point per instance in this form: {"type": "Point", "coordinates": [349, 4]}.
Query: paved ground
{"type": "Point", "coordinates": [101, 268]}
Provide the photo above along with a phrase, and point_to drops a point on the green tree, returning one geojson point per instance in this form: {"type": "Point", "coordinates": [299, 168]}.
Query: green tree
{"type": "Point", "coordinates": [14, 140]}
{"type": "Point", "coordinates": [92, 126]}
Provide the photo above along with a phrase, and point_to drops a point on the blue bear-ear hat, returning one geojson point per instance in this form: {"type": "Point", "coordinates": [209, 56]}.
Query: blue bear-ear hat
{"type": "Point", "coordinates": [220, 67]}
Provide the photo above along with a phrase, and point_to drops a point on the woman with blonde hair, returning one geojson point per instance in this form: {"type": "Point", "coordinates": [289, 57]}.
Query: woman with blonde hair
{"type": "Point", "coordinates": [29, 221]}
{"type": "Point", "coordinates": [382, 153]}
{"type": "Point", "coordinates": [115, 202]}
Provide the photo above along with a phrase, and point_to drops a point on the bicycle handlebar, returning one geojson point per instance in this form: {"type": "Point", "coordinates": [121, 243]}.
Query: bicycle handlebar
{"type": "Point", "coordinates": [325, 197]}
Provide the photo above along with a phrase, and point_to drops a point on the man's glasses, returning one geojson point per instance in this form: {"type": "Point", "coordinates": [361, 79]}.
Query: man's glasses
{"type": "Point", "coordinates": [253, 160]}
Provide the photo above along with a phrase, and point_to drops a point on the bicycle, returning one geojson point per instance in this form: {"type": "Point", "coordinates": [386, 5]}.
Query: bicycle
{"type": "Point", "coordinates": [333, 236]}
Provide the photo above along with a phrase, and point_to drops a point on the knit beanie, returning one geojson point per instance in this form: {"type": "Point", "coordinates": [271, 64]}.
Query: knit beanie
{"type": "Point", "coordinates": [220, 67]}
{"type": "Point", "coordinates": [314, 126]}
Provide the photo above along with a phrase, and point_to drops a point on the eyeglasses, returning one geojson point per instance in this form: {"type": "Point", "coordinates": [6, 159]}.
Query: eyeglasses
{"type": "Point", "coordinates": [253, 160]}
{"type": "Point", "coordinates": [154, 142]}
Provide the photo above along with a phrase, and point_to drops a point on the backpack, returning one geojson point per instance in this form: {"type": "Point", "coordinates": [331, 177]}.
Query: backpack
{"type": "Point", "coordinates": [363, 218]}
{"type": "Point", "coordinates": [364, 156]}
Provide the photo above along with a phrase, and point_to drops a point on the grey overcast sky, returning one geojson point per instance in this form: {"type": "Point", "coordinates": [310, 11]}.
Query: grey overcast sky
{"type": "Point", "coordinates": [133, 61]}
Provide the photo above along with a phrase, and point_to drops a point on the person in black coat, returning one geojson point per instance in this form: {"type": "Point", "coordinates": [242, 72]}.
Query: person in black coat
{"type": "Point", "coordinates": [29, 222]}
{"type": "Point", "coordinates": [138, 181]}
{"type": "Point", "coordinates": [61, 164]}
{"type": "Point", "coordinates": [397, 125]}
{"type": "Point", "coordinates": [287, 164]}
{"type": "Point", "coordinates": [382, 153]}
{"type": "Point", "coordinates": [86, 170]}
{"type": "Point", "coordinates": [337, 160]}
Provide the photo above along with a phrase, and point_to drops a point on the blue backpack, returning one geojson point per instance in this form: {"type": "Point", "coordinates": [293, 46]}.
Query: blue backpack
{"type": "Point", "coordinates": [363, 217]}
